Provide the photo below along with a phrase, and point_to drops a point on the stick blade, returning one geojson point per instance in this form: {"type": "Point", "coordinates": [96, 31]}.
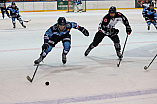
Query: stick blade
{"type": "Point", "coordinates": [145, 67]}
{"type": "Point", "coordinates": [27, 20]}
{"type": "Point", "coordinates": [29, 79]}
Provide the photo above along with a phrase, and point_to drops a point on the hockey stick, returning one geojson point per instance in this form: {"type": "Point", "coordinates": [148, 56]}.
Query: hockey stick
{"type": "Point", "coordinates": [146, 67]}
{"type": "Point", "coordinates": [152, 20]}
{"type": "Point", "coordinates": [27, 20]}
{"type": "Point", "coordinates": [28, 78]}
{"type": "Point", "coordinates": [123, 50]}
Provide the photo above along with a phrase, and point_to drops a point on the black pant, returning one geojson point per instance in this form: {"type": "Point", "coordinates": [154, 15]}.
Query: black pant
{"type": "Point", "coordinates": [2, 11]}
{"type": "Point", "coordinates": [99, 37]}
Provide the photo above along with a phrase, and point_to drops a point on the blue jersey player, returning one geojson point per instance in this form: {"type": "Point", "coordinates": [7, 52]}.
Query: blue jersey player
{"type": "Point", "coordinates": [149, 13]}
{"type": "Point", "coordinates": [78, 5]}
{"type": "Point", "coordinates": [14, 13]}
{"type": "Point", "coordinates": [56, 33]}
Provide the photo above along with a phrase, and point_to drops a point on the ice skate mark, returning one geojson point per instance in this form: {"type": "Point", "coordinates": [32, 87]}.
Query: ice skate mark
{"type": "Point", "coordinates": [59, 69]}
{"type": "Point", "coordinates": [101, 97]}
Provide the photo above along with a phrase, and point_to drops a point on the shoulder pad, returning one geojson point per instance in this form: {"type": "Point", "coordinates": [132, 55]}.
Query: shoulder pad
{"type": "Point", "coordinates": [68, 25]}
{"type": "Point", "coordinates": [54, 27]}
{"type": "Point", "coordinates": [119, 13]}
{"type": "Point", "coordinates": [106, 18]}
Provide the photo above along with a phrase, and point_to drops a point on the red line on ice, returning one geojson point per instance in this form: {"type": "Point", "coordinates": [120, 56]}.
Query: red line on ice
{"type": "Point", "coordinates": [72, 46]}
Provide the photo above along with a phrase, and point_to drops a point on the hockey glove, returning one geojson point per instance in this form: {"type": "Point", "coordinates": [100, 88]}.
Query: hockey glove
{"type": "Point", "coordinates": [128, 30]}
{"type": "Point", "coordinates": [84, 31]}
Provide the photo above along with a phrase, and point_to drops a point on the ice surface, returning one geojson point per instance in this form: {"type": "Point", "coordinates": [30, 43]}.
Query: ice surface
{"type": "Point", "coordinates": [94, 79]}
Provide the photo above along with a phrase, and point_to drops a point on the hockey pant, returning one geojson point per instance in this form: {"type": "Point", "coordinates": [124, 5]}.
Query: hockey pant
{"type": "Point", "coordinates": [149, 21]}
{"type": "Point", "coordinates": [18, 18]}
{"type": "Point", "coordinates": [99, 37]}
{"type": "Point", "coordinates": [66, 40]}
{"type": "Point", "coordinates": [77, 7]}
{"type": "Point", "coordinates": [2, 11]}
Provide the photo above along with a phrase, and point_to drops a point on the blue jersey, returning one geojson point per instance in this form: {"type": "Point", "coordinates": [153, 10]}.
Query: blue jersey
{"type": "Point", "coordinates": [78, 2]}
{"type": "Point", "coordinates": [54, 30]}
{"type": "Point", "coordinates": [149, 13]}
{"type": "Point", "coordinates": [13, 11]}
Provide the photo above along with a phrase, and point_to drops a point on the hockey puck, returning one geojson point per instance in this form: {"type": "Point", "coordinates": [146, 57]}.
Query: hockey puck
{"type": "Point", "coordinates": [46, 83]}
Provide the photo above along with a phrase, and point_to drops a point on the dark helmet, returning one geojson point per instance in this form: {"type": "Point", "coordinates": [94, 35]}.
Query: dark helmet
{"type": "Point", "coordinates": [151, 4]}
{"type": "Point", "coordinates": [13, 3]}
{"type": "Point", "coordinates": [112, 9]}
{"type": "Point", "coordinates": [61, 21]}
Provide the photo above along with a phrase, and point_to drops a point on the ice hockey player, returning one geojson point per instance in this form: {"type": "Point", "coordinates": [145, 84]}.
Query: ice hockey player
{"type": "Point", "coordinates": [78, 5]}
{"type": "Point", "coordinates": [14, 13]}
{"type": "Point", "coordinates": [56, 33]}
{"type": "Point", "coordinates": [146, 4]}
{"type": "Point", "coordinates": [149, 14]}
{"type": "Point", "coordinates": [107, 28]}
{"type": "Point", "coordinates": [3, 7]}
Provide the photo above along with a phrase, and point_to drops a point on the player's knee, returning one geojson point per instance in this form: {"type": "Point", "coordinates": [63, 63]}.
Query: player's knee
{"type": "Point", "coordinates": [45, 46]}
{"type": "Point", "coordinates": [95, 44]}
{"type": "Point", "coordinates": [117, 46]}
{"type": "Point", "coordinates": [148, 23]}
{"type": "Point", "coordinates": [47, 49]}
{"type": "Point", "coordinates": [67, 47]}
{"type": "Point", "coordinates": [13, 21]}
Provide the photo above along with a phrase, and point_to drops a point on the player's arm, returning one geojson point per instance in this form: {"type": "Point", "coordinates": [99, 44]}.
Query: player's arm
{"type": "Point", "coordinates": [47, 39]}
{"type": "Point", "coordinates": [82, 29]}
{"type": "Point", "coordinates": [8, 8]}
{"type": "Point", "coordinates": [48, 34]}
{"type": "Point", "coordinates": [144, 12]}
{"type": "Point", "coordinates": [17, 11]}
{"type": "Point", "coordinates": [126, 23]}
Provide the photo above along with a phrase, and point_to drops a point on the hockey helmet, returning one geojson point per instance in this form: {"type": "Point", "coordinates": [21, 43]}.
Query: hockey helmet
{"type": "Point", "coordinates": [61, 21]}
{"type": "Point", "coordinates": [151, 4]}
{"type": "Point", "coordinates": [112, 9]}
{"type": "Point", "coordinates": [13, 3]}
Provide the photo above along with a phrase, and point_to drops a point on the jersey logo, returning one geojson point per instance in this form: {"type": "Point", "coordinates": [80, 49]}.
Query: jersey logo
{"type": "Point", "coordinates": [119, 14]}
{"type": "Point", "coordinates": [105, 20]}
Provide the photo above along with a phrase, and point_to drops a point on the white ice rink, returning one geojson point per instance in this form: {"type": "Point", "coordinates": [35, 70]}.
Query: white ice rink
{"type": "Point", "coordinates": [94, 79]}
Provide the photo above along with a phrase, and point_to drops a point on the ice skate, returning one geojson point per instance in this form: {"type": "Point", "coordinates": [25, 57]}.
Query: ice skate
{"type": "Point", "coordinates": [38, 60]}
{"type": "Point", "coordinates": [14, 26]}
{"type": "Point", "coordinates": [148, 28]}
{"type": "Point", "coordinates": [23, 26]}
{"type": "Point", "coordinates": [88, 49]}
{"type": "Point", "coordinates": [80, 11]}
{"type": "Point", "coordinates": [63, 58]}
